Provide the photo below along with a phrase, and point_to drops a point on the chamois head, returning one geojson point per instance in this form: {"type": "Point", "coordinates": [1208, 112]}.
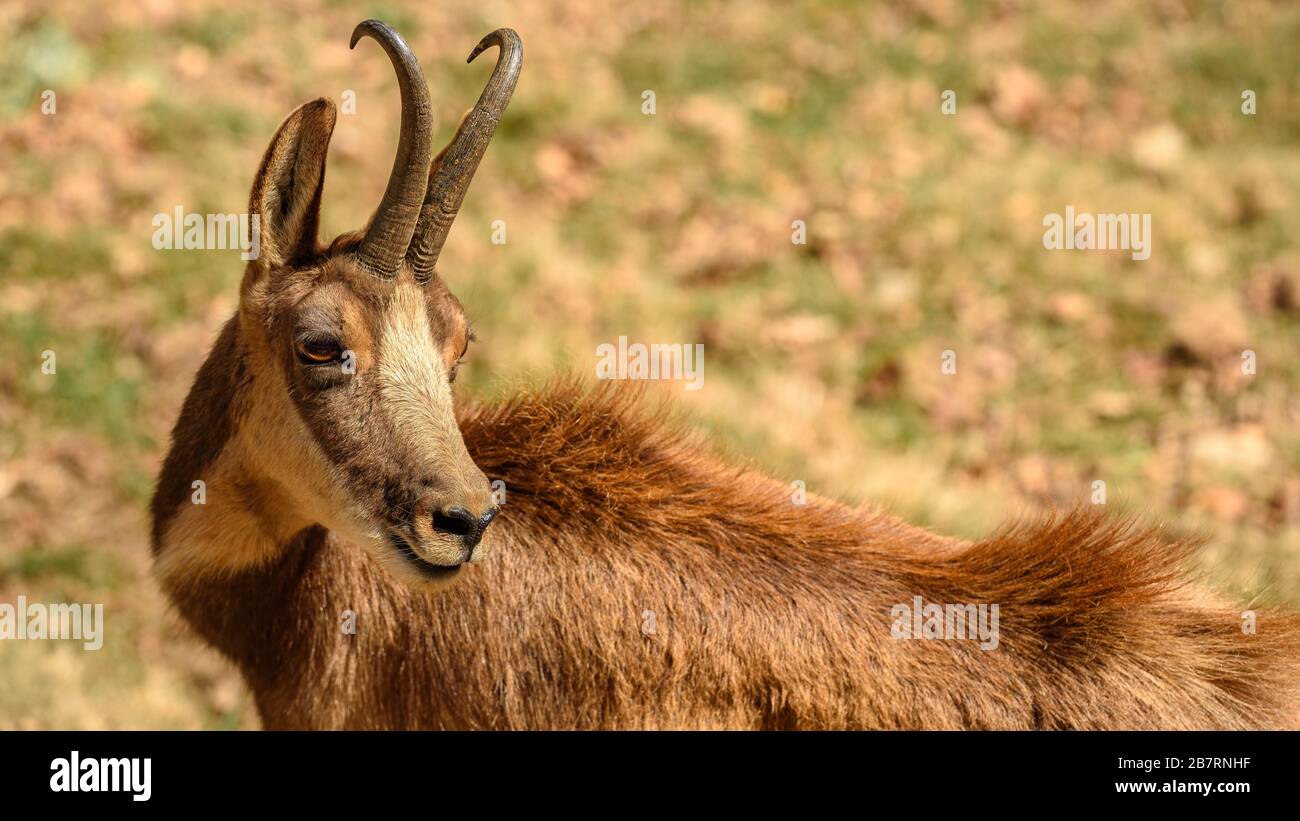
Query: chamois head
{"type": "Point", "coordinates": [353, 346]}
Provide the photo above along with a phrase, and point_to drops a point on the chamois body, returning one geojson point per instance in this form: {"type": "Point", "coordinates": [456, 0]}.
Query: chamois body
{"type": "Point", "coordinates": [765, 614]}
{"type": "Point", "coordinates": [631, 579]}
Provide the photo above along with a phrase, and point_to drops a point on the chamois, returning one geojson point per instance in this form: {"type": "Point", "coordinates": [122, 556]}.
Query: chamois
{"type": "Point", "coordinates": [631, 579]}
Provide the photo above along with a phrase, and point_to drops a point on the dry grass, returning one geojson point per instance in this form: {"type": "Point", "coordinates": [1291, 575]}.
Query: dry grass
{"type": "Point", "coordinates": [822, 360]}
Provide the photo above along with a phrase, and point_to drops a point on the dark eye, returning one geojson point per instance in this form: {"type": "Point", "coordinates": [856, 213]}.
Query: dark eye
{"type": "Point", "coordinates": [318, 350]}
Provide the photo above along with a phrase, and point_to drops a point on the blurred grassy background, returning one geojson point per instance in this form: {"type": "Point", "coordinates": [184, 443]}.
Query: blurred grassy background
{"type": "Point", "coordinates": [822, 360]}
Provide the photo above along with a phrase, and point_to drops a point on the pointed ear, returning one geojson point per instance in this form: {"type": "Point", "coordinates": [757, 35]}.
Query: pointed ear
{"type": "Point", "coordinates": [287, 190]}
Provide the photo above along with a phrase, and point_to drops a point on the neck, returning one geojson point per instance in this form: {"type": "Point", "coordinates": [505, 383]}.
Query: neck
{"type": "Point", "coordinates": [225, 551]}
{"type": "Point", "coordinates": [217, 510]}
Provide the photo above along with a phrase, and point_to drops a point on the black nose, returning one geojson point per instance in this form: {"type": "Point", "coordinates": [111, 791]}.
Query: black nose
{"type": "Point", "coordinates": [459, 522]}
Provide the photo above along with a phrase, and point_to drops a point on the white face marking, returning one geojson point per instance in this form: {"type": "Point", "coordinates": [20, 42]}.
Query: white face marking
{"type": "Point", "coordinates": [413, 385]}
{"type": "Point", "coordinates": [415, 397]}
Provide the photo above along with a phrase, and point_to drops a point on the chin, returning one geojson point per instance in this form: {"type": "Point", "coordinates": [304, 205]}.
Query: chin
{"type": "Point", "coordinates": [406, 564]}
{"type": "Point", "coordinates": [421, 582]}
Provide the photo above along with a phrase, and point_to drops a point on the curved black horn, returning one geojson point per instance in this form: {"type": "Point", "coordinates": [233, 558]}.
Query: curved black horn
{"type": "Point", "coordinates": [394, 222]}
{"type": "Point", "coordinates": [461, 157]}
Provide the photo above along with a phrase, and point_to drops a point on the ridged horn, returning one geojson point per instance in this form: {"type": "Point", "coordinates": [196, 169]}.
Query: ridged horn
{"type": "Point", "coordinates": [461, 158]}
{"type": "Point", "coordinates": [393, 225]}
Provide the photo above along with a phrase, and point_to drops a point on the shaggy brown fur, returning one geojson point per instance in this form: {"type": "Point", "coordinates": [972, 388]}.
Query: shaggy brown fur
{"type": "Point", "coordinates": [766, 615]}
